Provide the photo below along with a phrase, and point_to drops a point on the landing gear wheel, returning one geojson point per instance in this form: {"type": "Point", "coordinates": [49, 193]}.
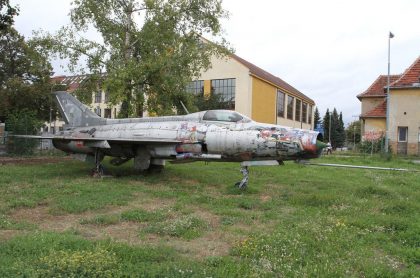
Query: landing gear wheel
{"type": "Point", "coordinates": [98, 171]}
{"type": "Point", "coordinates": [244, 182]}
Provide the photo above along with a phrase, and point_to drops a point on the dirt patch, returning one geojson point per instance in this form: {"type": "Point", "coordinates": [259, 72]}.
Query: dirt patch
{"type": "Point", "coordinates": [211, 244]}
{"type": "Point", "coordinates": [265, 198]}
{"type": "Point", "coordinates": [9, 234]}
{"type": "Point", "coordinates": [32, 160]}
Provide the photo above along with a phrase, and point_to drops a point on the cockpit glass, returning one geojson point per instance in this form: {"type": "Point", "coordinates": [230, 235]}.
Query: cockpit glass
{"type": "Point", "coordinates": [222, 116]}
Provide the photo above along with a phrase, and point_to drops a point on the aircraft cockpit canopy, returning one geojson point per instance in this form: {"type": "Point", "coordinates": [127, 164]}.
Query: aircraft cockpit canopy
{"type": "Point", "coordinates": [225, 116]}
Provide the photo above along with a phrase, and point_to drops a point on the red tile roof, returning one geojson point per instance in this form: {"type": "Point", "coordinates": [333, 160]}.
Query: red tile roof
{"type": "Point", "coordinates": [73, 82]}
{"type": "Point", "coordinates": [377, 112]}
{"type": "Point", "coordinates": [410, 77]}
{"type": "Point", "coordinates": [377, 89]}
{"type": "Point", "coordinates": [258, 72]}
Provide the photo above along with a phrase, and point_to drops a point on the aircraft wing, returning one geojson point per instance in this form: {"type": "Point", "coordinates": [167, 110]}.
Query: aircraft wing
{"type": "Point", "coordinates": [98, 139]}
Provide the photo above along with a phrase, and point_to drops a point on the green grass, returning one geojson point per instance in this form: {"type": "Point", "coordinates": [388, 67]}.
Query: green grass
{"type": "Point", "coordinates": [190, 221]}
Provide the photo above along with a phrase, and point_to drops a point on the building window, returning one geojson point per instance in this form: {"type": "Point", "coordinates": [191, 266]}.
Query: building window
{"type": "Point", "coordinates": [298, 104]}
{"type": "Point", "coordinates": [196, 87]}
{"type": "Point", "coordinates": [107, 113]}
{"type": "Point", "coordinates": [290, 101]}
{"type": "Point", "coordinates": [226, 89]}
{"type": "Point", "coordinates": [402, 133]}
{"type": "Point", "coordinates": [98, 97]}
{"type": "Point", "coordinates": [98, 111]}
{"type": "Point", "coordinates": [280, 103]}
{"type": "Point", "coordinates": [309, 114]}
{"type": "Point", "coordinates": [106, 99]}
{"type": "Point", "coordinates": [304, 112]}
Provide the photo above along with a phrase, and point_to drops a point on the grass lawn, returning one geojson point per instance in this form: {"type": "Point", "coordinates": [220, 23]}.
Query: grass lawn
{"type": "Point", "coordinates": [190, 221]}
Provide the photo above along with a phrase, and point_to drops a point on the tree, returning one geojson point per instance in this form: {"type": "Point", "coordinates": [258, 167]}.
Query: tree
{"type": "Point", "coordinates": [148, 65]}
{"type": "Point", "coordinates": [337, 128]}
{"type": "Point", "coordinates": [24, 76]}
{"type": "Point", "coordinates": [317, 118]}
{"type": "Point", "coordinates": [326, 126]}
{"type": "Point", "coordinates": [7, 13]}
{"type": "Point", "coordinates": [341, 134]}
{"type": "Point", "coordinates": [353, 132]}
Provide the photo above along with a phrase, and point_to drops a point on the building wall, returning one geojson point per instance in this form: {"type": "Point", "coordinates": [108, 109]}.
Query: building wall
{"type": "Point", "coordinates": [263, 101]}
{"type": "Point", "coordinates": [375, 125]}
{"type": "Point", "coordinates": [405, 111]}
{"type": "Point", "coordinates": [264, 105]}
{"type": "Point", "coordinates": [370, 103]}
{"type": "Point", "coordinates": [229, 68]}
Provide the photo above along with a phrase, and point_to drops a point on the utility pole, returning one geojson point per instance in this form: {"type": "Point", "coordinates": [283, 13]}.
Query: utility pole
{"type": "Point", "coordinates": [387, 93]}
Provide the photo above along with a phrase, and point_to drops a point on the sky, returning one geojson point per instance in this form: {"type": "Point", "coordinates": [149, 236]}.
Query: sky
{"type": "Point", "coordinates": [330, 50]}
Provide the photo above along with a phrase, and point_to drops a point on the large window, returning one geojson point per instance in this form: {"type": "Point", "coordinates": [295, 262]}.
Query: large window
{"type": "Point", "coordinates": [402, 133]}
{"type": "Point", "coordinates": [196, 87]}
{"type": "Point", "coordinates": [310, 114]}
{"type": "Point", "coordinates": [298, 109]}
{"type": "Point", "coordinates": [280, 103]}
{"type": "Point", "coordinates": [98, 97]}
{"type": "Point", "coordinates": [304, 112]}
{"type": "Point", "coordinates": [226, 89]}
{"type": "Point", "coordinates": [106, 99]}
{"type": "Point", "coordinates": [290, 101]}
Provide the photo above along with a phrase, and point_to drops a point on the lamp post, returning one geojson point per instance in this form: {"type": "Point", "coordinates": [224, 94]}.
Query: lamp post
{"type": "Point", "coordinates": [387, 93]}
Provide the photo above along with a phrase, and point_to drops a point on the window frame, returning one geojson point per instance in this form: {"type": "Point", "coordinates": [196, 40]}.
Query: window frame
{"type": "Point", "coordinates": [98, 97]}
{"type": "Point", "coordinates": [226, 88]}
{"type": "Point", "coordinates": [298, 113]}
{"type": "Point", "coordinates": [400, 128]}
{"type": "Point", "coordinates": [304, 112]}
{"type": "Point", "coordinates": [280, 105]}
{"type": "Point", "coordinates": [290, 112]}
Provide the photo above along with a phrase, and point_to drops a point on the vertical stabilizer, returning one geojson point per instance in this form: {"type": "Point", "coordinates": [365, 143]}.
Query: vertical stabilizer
{"type": "Point", "coordinates": [74, 112]}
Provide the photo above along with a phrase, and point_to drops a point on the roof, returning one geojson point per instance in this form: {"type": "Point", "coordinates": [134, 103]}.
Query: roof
{"type": "Point", "coordinates": [411, 76]}
{"type": "Point", "coordinates": [72, 81]}
{"type": "Point", "coordinates": [260, 73]}
{"type": "Point", "coordinates": [377, 89]}
{"type": "Point", "coordinates": [377, 112]}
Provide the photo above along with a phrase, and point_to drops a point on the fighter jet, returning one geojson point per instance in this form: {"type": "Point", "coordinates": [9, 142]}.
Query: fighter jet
{"type": "Point", "coordinates": [213, 135]}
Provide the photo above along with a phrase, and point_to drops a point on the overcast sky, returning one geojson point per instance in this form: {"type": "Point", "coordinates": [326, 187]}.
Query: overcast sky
{"type": "Point", "coordinates": [330, 50]}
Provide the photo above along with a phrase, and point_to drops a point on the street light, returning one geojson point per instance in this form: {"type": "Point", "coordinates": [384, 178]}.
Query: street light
{"type": "Point", "coordinates": [387, 93]}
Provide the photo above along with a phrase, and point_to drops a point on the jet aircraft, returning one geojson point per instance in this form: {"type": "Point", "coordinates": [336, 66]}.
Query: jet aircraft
{"type": "Point", "coordinates": [213, 135]}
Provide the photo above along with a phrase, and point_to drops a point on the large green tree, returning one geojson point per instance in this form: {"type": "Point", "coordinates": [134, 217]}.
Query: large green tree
{"type": "Point", "coordinates": [353, 132]}
{"type": "Point", "coordinates": [148, 49]}
{"type": "Point", "coordinates": [334, 122]}
{"type": "Point", "coordinates": [7, 14]}
{"type": "Point", "coordinates": [24, 76]}
{"type": "Point", "coordinates": [326, 125]}
{"type": "Point", "coordinates": [317, 118]}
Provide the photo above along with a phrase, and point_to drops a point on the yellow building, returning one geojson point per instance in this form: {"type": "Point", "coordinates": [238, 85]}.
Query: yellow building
{"type": "Point", "coordinates": [404, 110]}
{"type": "Point", "coordinates": [256, 93]}
{"type": "Point", "coordinates": [249, 89]}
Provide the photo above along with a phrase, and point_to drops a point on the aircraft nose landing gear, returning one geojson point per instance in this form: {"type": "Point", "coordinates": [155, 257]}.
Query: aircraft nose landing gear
{"type": "Point", "coordinates": [244, 182]}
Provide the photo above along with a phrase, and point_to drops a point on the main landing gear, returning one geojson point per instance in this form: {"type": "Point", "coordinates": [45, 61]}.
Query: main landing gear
{"type": "Point", "coordinates": [98, 171]}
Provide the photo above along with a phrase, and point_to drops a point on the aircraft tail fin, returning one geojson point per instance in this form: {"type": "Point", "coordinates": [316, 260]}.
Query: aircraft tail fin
{"type": "Point", "coordinates": [74, 112]}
